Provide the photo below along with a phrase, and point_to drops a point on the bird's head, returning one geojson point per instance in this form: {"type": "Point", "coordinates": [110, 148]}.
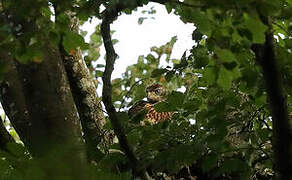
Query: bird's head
{"type": "Point", "coordinates": [155, 93]}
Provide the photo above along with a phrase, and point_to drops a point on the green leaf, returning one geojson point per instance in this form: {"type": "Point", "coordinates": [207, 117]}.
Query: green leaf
{"type": "Point", "coordinates": [158, 72]}
{"type": "Point", "coordinates": [140, 92]}
{"type": "Point", "coordinates": [176, 99]}
{"type": "Point", "coordinates": [172, 159]}
{"type": "Point", "coordinates": [112, 158]}
{"type": "Point", "coordinates": [100, 66]}
{"type": "Point", "coordinates": [168, 7]}
{"type": "Point", "coordinates": [225, 55]}
{"type": "Point", "coordinates": [163, 107]}
{"type": "Point", "coordinates": [145, 2]}
{"type": "Point", "coordinates": [215, 141]}
{"type": "Point", "coordinates": [183, 62]}
{"type": "Point", "coordinates": [256, 27]}
{"type": "Point", "coordinates": [197, 35]}
{"type": "Point", "coordinates": [264, 134]}
{"type": "Point", "coordinates": [150, 58]}
{"type": "Point", "coordinates": [225, 78]}
{"type": "Point", "coordinates": [261, 100]}
{"type": "Point", "coordinates": [209, 75]}
{"type": "Point", "coordinates": [200, 19]}
{"type": "Point", "coordinates": [139, 116]}
{"type": "Point", "coordinates": [95, 38]}
{"type": "Point", "coordinates": [169, 75]}
{"type": "Point", "coordinates": [193, 105]}
{"type": "Point", "coordinates": [54, 38]}
{"type": "Point", "coordinates": [123, 118]}
{"type": "Point", "coordinates": [4, 166]}
{"type": "Point", "coordinates": [236, 37]}
{"type": "Point", "coordinates": [126, 176]}
{"type": "Point", "coordinates": [209, 163]}
{"type": "Point", "coordinates": [32, 53]}
{"type": "Point", "coordinates": [16, 149]}
{"type": "Point", "coordinates": [288, 42]}
{"type": "Point", "coordinates": [134, 137]}
{"type": "Point", "coordinates": [232, 165]}
{"type": "Point", "coordinates": [72, 40]}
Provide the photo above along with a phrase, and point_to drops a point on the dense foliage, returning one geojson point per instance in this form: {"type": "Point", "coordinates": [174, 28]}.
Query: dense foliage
{"type": "Point", "coordinates": [223, 122]}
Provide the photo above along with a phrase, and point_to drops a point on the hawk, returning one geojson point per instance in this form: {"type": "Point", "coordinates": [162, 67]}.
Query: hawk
{"type": "Point", "coordinates": [155, 93]}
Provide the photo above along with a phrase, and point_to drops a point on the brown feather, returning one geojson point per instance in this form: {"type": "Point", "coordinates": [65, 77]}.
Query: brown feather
{"type": "Point", "coordinates": [155, 93]}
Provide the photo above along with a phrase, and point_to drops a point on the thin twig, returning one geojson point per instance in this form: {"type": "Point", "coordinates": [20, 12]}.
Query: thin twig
{"type": "Point", "coordinates": [281, 27]}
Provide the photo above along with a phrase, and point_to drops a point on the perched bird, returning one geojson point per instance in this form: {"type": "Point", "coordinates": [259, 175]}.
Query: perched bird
{"type": "Point", "coordinates": [155, 93]}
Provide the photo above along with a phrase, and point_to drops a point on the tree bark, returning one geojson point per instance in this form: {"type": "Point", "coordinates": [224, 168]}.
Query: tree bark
{"type": "Point", "coordinates": [87, 103]}
{"type": "Point", "coordinates": [282, 139]}
{"type": "Point", "coordinates": [85, 97]}
{"type": "Point", "coordinates": [12, 99]}
{"type": "Point", "coordinates": [39, 103]}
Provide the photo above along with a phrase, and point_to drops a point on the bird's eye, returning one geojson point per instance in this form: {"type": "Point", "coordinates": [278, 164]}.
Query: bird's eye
{"type": "Point", "coordinates": [157, 91]}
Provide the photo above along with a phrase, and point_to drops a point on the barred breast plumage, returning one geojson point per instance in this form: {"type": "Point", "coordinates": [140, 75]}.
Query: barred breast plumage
{"type": "Point", "coordinates": [155, 116]}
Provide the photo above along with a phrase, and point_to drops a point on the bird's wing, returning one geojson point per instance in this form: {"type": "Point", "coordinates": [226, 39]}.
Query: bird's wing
{"type": "Point", "coordinates": [137, 107]}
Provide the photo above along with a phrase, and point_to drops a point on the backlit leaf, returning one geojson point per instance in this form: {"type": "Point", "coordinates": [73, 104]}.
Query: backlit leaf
{"type": "Point", "coordinates": [225, 55]}
{"type": "Point", "coordinates": [72, 40]}
{"type": "Point", "coordinates": [256, 27]}
{"type": "Point", "coordinates": [225, 77]}
{"type": "Point", "coordinates": [209, 75]}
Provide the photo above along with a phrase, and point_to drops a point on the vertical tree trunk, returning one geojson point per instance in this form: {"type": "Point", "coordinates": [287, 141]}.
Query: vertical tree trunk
{"type": "Point", "coordinates": [39, 95]}
{"type": "Point", "coordinates": [13, 100]}
{"type": "Point", "coordinates": [85, 96]}
{"type": "Point", "coordinates": [282, 138]}
{"type": "Point", "coordinates": [87, 102]}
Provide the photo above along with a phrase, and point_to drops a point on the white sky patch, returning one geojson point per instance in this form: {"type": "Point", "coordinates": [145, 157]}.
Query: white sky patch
{"type": "Point", "coordinates": [182, 89]}
{"type": "Point", "coordinates": [192, 121]}
{"type": "Point", "coordinates": [1, 109]}
{"type": "Point", "coordinates": [135, 39]}
{"type": "Point", "coordinates": [52, 18]}
{"type": "Point", "coordinates": [282, 36]}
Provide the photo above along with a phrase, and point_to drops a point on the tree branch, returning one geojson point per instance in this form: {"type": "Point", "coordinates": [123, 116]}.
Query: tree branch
{"type": "Point", "coordinates": [111, 55]}
{"type": "Point", "coordinates": [88, 105]}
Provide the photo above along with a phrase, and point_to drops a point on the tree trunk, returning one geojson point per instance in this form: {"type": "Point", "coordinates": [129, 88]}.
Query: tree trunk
{"type": "Point", "coordinates": [85, 97]}
{"type": "Point", "coordinates": [38, 101]}
{"type": "Point", "coordinates": [282, 142]}
{"type": "Point", "coordinates": [87, 102]}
